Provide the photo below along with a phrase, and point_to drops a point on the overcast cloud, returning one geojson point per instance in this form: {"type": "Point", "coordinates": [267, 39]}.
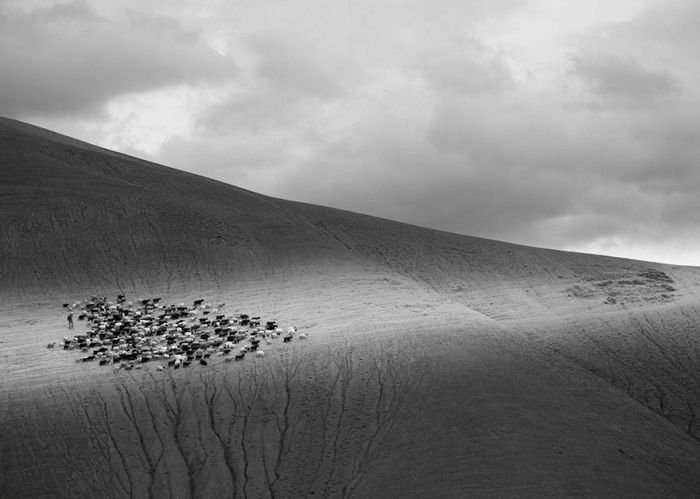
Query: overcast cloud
{"type": "Point", "coordinates": [570, 125]}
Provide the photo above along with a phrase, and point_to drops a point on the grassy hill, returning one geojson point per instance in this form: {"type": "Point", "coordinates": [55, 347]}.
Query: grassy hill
{"type": "Point", "coordinates": [437, 364]}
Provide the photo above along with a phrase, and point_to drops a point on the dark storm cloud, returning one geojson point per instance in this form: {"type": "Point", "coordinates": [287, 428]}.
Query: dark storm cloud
{"type": "Point", "coordinates": [459, 174]}
{"type": "Point", "coordinates": [673, 22]}
{"type": "Point", "coordinates": [463, 64]}
{"type": "Point", "coordinates": [299, 66]}
{"type": "Point", "coordinates": [622, 80]}
{"type": "Point", "coordinates": [67, 59]}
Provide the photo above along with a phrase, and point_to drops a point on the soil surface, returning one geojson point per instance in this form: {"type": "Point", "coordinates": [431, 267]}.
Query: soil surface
{"type": "Point", "coordinates": [436, 365]}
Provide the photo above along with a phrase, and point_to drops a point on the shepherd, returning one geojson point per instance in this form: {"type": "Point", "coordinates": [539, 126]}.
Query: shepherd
{"type": "Point", "coordinates": [70, 320]}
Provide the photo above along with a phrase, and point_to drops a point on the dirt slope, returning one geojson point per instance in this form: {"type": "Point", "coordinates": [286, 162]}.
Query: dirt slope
{"type": "Point", "coordinates": [437, 364]}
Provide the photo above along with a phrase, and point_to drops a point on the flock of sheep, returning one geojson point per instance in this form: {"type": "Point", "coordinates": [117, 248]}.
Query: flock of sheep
{"type": "Point", "coordinates": [128, 335]}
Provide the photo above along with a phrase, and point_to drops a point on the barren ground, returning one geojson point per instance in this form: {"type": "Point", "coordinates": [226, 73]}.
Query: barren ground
{"type": "Point", "coordinates": [436, 365]}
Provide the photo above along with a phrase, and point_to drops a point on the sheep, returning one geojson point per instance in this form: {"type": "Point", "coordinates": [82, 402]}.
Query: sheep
{"type": "Point", "coordinates": [175, 334]}
{"type": "Point", "coordinates": [259, 353]}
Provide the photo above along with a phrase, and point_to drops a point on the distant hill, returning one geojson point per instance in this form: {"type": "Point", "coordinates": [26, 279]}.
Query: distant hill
{"type": "Point", "coordinates": [439, 364]}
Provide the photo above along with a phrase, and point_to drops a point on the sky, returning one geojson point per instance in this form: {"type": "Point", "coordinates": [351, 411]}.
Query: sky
{"type": "Point", "coordinates": [567, 124]}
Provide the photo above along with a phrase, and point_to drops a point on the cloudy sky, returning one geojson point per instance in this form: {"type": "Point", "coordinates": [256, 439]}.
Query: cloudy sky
{"type": "Point", "coordinates": [570, 124]}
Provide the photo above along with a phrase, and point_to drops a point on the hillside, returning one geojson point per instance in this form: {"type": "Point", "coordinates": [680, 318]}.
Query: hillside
{"type": "Point", "coordinates": [437, 364]}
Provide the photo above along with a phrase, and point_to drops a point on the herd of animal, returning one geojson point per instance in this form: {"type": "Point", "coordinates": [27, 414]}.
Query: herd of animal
{"type": "Point", "coordinates": [127, 335]}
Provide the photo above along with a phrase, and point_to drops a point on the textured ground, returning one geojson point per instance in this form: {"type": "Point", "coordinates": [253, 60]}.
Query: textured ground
{"type": "Point", "coordinates": [437, 364]}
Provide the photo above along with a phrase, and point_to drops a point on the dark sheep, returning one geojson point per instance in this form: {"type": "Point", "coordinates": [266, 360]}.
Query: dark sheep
{"type": "Point", "coordinates": [122, 328]}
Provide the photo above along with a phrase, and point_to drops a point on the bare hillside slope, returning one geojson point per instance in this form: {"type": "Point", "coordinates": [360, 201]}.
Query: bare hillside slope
{"type": "Point", "coordinates": [437, 364]}
{"type": "Point", "coordinates": [76, 217]}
